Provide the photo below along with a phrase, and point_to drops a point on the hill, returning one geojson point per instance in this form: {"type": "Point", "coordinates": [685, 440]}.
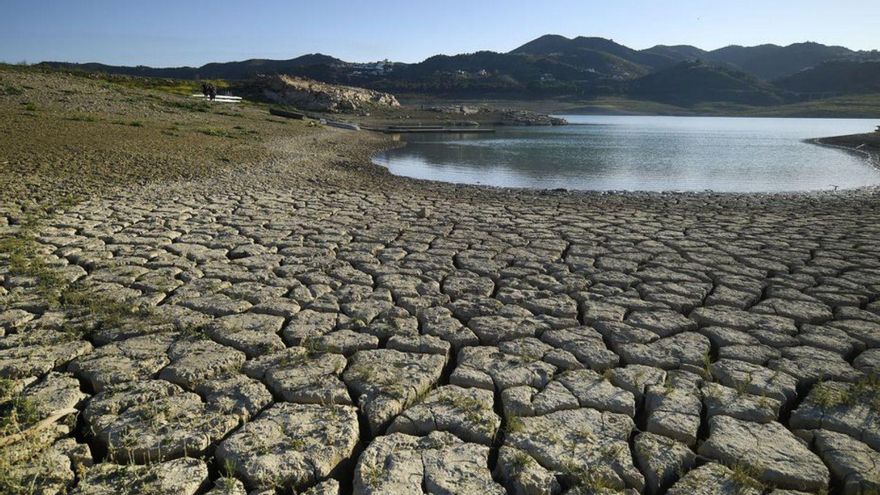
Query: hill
{"type": "Point", "coordinates": [772, 61]}
{"type": "Point", "coordinates": [217, 70]}
{"type": "Point", "coordinates": [834, 78]}
{"type": "Point", "coordinates": [690, 83]}
{"type": "Point", "coordinates": [555, 66]}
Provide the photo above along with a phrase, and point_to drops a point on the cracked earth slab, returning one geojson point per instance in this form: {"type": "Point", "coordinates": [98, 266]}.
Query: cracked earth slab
{"type": "Point", "coordinates": [312, 326]}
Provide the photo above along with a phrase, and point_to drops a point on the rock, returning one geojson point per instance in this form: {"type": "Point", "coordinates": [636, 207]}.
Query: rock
{"type": "Point", "coordinates": [291, 445]}
{"type": "Point", "coordinates": [387, 381]}
{"type": "Point", "coordinates": [527, 401]}
{"type": "Point", "coordinates": [578, 442]}
{"type": "Point", "coordinates": [855, 464]}
{"type": "Point", "coordinates": [715, 479]}
{"type": "Point", "coordinates": [181, 476]}
{"type": "Point", "coordinates": [725, 316]}
{"type": "Point", "coordinates": [439, 322]}
{"type": "Point", "coordinates": [13, 319]}
{"type": "Point", "coordinates": [216, 305]}
{"type": "Point", "coordinates": [302, 376]}
{"type": "Point", "coordinates": [494, 329]}
{"type": "Point", "coordinates": [465, 412]}
{"type": "Point", "coordinates": [307, 94]}
{"type": "Point", "coordinates": [662, 460]}
{"type": "Point", "coordinates": [399, 464]}
{"type": "Point", "coordinates": [771, 452]}
{"type": "Point", "coordinates": [747, 407]}
{"type": "Point", "coordinates": [345, 342]}
{"type": "Point", "coordinates": [153, 421]}
{"type": "Point", "coordinates": [868, 332]}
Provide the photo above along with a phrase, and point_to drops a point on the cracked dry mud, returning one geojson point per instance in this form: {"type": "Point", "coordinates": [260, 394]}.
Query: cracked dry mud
{"type": "Point", "coordinates": [374, 335]}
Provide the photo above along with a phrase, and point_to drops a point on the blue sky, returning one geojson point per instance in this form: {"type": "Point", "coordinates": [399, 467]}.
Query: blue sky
{"type": "Point", "coordinates": [171, 33]}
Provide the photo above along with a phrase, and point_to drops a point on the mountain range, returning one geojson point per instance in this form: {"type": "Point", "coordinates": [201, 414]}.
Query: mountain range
{"type": "Point", "coordinates": [556, 66]}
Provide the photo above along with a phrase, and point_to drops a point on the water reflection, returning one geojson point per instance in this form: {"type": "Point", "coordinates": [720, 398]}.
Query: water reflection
{"type": "Point", "coordinates": [643, 153]}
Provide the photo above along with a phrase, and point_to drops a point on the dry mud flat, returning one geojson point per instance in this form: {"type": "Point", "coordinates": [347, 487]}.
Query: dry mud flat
{"type": "Point", "coordinates": [316, 328]}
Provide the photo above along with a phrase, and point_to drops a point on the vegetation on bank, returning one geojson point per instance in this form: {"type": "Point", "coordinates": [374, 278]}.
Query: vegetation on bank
{"type": "Point", "coordinates": [583, 68]}
{"type": "Point", "coordinates": [848, 106]}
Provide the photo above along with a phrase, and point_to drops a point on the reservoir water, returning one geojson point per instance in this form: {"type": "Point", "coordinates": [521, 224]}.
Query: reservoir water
{"type": "Point", "coordinates": [644, 154]}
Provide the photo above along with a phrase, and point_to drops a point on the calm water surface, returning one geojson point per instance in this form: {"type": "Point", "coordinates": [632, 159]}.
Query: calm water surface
{"type": "Point", "coordinates": [644, 154]}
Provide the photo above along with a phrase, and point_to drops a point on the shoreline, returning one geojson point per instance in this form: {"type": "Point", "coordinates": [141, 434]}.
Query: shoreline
{"type": "Point", "coordinates": [871, 152]}
{"type": "Point", "coordinates": [871, 156]}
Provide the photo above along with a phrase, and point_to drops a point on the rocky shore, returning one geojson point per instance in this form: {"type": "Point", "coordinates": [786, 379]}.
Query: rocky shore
{"type": "Point", "coordinates": [297, 320]}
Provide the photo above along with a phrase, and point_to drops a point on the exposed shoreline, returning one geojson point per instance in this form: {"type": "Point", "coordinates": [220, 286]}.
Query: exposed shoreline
{"type": "Point", "coordinates": [844, 143]}
{"type": "Point", "coordinates": [866, 145]}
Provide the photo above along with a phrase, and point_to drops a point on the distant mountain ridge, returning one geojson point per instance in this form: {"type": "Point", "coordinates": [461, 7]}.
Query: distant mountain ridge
{"type": "Point", "coordinates": [554, 65]}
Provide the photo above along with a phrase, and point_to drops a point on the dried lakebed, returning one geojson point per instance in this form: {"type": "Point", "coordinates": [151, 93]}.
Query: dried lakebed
{"type": "Point", "coordinates": [426, 338]}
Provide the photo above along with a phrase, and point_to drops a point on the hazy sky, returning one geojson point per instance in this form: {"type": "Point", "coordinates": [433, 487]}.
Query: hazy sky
{"type": "Point", "coordinates": [169, 33]}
